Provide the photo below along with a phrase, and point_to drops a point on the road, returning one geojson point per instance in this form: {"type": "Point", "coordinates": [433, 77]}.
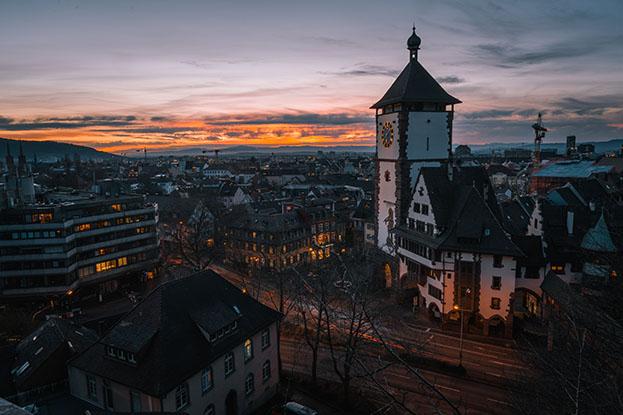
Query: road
{"type": "Point", "coordinates": [470, 396]}
{"type": "Point", "coordinates": [484, 389]}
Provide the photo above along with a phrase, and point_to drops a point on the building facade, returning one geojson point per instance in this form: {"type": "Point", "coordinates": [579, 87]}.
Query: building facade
{"type": "Point", "coordinates": [76, 244]}
{"type": "Point", "coordinates": [170, 354]}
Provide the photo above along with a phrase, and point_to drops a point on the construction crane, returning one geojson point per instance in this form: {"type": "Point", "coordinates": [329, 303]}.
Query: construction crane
{"type": "Point", "coordinates": [539, 134]}
{"type": "Point", "coordinates": [215, 151]}
{"type": "Point", "coordinates": [144, 150]}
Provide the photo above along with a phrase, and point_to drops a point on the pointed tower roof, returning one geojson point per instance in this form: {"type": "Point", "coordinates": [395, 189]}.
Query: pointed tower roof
{"type": "Point", "coordinates": [598, 238]}
{"type": "Point", "coordinates": [415, 84]}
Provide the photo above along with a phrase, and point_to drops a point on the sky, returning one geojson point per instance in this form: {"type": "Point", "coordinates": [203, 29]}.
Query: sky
{"type": "Point", "coordinates": [122, 75]}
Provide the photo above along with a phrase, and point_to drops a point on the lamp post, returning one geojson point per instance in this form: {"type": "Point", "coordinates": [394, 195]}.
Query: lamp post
{"type": "Point", "coordinates": [458, 307]}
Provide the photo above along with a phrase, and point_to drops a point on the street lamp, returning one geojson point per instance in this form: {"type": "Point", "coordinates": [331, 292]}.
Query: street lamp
{"type": "Point", "coordinates": [457, 307]}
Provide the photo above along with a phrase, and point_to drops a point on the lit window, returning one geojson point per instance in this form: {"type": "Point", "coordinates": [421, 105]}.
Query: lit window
{"type": "Point", "coordinates": [248, 350]}
{"type": "Point", "coordinates": [82, 227]}
{"type": "Point", "coordinates": [181, 396]}
{"type": "Point", "coordinates": [122, 261]}
{"type": "Point", "coordinates": [116, 207]}
{"type": "Point", "coordinates": [558, 268]}
{"type": "Point", "coordinates": [249, 384]}
{"type": "Point", "coordinates": [105, 266]}
{"type": "Point", "coordinates": [266, 370]}
{"type": "Point", "coordinates": [229, 363]}
{"type": "Point", "coordinates": [207, 380]}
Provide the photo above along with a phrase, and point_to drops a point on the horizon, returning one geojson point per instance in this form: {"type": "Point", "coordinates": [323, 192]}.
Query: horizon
{"type": "Point", "coordinates": [287, 74]}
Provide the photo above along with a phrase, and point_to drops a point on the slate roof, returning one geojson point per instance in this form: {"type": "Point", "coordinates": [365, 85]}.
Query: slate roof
{"type": "Point", "coordinates": [532, 247]}
{"type": "Point", "coordinates": [468, 219]}
{"type": "Point", "coordinates": [165, 330]}
{"type": "Point", "coordinates": [39, 346]}
{"type": "Point", "coordinates": [598, 238]}
{"type": "Point", "coordinates": [415, 85]}
{"type": "Point", "coordinates": [516, 219]}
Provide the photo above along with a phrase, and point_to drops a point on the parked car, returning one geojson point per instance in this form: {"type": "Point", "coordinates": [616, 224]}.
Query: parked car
{"type": "Point", "coordinates": [295, 408]}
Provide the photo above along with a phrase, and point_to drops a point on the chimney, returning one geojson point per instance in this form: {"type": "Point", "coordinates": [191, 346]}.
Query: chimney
{"type": "Point", "coordinates": [570, 215]}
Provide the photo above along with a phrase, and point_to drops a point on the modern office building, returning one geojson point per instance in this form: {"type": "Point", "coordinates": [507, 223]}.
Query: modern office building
{"type": "Point", "coordinates": [70, 243]}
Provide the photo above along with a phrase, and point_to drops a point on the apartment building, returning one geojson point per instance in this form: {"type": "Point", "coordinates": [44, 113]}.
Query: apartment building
{"type": "Point", "coordinates": [196, 345]}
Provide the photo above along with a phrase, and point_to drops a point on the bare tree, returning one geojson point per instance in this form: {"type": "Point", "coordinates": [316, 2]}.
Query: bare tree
{"type": "Point", "coordinates": [583, 359]}
{"type": "Point", "coordinates": [195, 238]}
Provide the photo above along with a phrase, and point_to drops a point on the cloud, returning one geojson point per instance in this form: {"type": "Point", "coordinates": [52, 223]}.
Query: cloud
{"type": "Point", "coordinates": [505, 55]}
{"type": "Point", "coordinates": [298, 118]}
{"type": "Point", "coordinates": [451, 79]}
{"type": "Point", "coordinates": [365, 70]}
{"type": "Point", "coordinates": [67, 122]}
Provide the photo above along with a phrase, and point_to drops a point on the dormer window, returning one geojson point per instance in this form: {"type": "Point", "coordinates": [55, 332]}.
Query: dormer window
{"type": "Point", "coordinates": [110, 351]}
{"type": "Point", "coordinates": [131, 358]}
{"type": "Point", "coordinates": [121, 354]}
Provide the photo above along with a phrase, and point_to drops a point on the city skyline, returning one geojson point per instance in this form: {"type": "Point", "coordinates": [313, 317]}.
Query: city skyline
{"type": "Point", "coordinates": [127, 75]}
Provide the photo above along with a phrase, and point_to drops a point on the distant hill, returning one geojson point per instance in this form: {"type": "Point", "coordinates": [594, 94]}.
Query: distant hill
{"type": "Point", "coordinates": [250, 150]}
{"type": "Point", "coordinates": [51, 150]}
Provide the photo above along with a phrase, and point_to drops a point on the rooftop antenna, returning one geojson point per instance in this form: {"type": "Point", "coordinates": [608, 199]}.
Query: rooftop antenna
{"type": "Point", "coordinates": [539, 134]}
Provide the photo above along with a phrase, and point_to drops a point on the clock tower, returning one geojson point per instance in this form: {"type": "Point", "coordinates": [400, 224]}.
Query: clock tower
{"type": "Point", "coordinates": [413, 130]}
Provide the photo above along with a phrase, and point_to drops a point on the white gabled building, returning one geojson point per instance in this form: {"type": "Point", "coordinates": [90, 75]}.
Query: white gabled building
{"type": "Point", "coordinates": [454, 249]}
{"type": "Point", "coordinates": [440, 224]}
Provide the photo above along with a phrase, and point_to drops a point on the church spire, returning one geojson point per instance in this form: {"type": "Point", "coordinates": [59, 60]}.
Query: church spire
{"type": "Point", "coordinates": [413, 44]}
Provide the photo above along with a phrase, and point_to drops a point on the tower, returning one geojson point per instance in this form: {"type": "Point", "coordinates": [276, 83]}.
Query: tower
{"type": "Point", "coordinates": [413, 130]}
{"type": "Point", "coordinates": [539, 134]}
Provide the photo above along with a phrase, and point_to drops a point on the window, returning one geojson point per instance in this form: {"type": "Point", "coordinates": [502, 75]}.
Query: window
{"type": "Point", "coordinates": [417, 207]}
{"type": "Point", "coordinates": [106, 265]}
{"type": "Point", "coordinates": [181, 396]}
{"type": "Point", "coordinates": [558, 268]}
{"type": "Point", "coordinates": [108, 396]}
{"type": "Point", "coordinates": [265, 338]}
{"type": "Point", "coordinates": [424, 209]}
{"type": "Point", "coordinates": [92, 388]}
{"type": "Point", "coordinates": [434, 292]}
{"type": "Point", "coordinates": [388, 176]}
{"type": "Point", "coordinates": [248, 350]}
{"type": "Point", "coordinates": [249, 384]}
{"type": "Point", "coordinates": [266, 370]}
{"type": "Point", "coordinates": [122, 261]}
{"type": "Point", "coordinates": [209, 410]}
{"type": "Point", "coordinates": [495, 303]}
{"type": "Point", "coordinates": [116, 207]}
{"type": "Point", "coordinates": [111, 351]}
{"type": "Point", "coordinates": [497, 261]}
{"type": "Point", "coordinates": [135, 401]}
{"type": "Point", "coordinates": [496, 283]}
{"type": "Point", "coordinates": [207, 380]}
{"type": "Point", "coordinates": [230, 365]}
{"type": "Point", "coordinates": [82, 227]}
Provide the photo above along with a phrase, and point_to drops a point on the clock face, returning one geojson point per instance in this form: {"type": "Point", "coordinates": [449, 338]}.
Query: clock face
{"type": "Point", "coordinates": [387, 134]}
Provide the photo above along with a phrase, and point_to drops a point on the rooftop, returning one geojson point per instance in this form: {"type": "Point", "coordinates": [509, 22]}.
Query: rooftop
{"type": "Point", "coordinates": [572, 169]}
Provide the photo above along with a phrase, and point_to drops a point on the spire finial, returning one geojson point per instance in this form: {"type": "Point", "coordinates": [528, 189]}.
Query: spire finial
{"type": "Point", "coordinates": [413, 44]}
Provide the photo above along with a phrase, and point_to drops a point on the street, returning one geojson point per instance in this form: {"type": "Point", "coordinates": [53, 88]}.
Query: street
{"type": "Point", "coordinates": [489, 368]}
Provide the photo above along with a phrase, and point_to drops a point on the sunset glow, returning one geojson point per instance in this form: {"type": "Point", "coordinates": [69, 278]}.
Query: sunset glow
{"type": "Point", "coordinates": [118, 77]}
